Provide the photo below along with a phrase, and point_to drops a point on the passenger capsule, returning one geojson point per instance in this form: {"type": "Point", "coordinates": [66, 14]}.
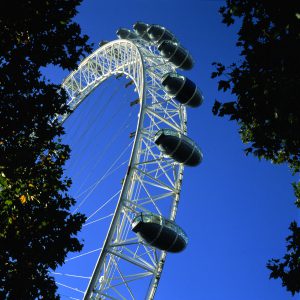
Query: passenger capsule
{"type": "Point", "coordinates": [176, 54]}
{"type": "Point", "coordinates": [182, 89]}
{"type": "Point", "coordinates": [140, 29]}
{"type": "Point", "coordinates": [124, 33]}
{"type": "Point", "coordinates": [178, 146]}
{"type": "Point", "coordinates": [159, 33]}
{"type": "Point", "coordinates": [160, 232]}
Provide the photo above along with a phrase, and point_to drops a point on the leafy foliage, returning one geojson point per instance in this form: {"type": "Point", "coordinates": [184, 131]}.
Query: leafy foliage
{"type": "Point", "coordinates": [37, 229]}
{"type": "Point", "coordinates": [289, 269]}
{"type": "Point", "coordinates": [265, 83]}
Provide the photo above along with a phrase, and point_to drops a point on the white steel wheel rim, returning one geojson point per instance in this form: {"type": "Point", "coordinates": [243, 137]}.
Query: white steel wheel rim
{"type": "Point", "coordinates": [147, 165]}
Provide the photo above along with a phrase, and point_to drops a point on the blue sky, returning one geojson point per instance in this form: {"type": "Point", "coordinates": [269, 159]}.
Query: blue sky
{"type": "Point", "coordinates": [235, 209]}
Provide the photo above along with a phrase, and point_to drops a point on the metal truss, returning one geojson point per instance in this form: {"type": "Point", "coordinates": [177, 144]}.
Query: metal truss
{"type": "Point", "coordinates": [126, 264]}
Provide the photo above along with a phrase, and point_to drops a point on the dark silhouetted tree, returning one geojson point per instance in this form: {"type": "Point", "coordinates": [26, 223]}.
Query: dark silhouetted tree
{"type": "Point", "coordinates": [266, 104]}
{"type": "Point", "coordinates": [37, 229]}
{"type": "Point", "coordinates": [289, 268]}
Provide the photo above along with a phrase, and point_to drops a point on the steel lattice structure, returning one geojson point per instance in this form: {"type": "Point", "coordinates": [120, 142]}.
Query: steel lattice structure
{"type": "Point", "coordinates": [153, 180]}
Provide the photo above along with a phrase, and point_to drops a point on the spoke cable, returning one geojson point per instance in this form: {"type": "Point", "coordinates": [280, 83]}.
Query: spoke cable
{"type": "Point", "coordinates": [108, 174]}
{"type": "Point", "coordinates": [104, 204]}
{"type": "Point", "coordinates": [123, 127]}
{"type": "Point", "coordinates": [86, 224]}
{"type": "Point", "coordinates": [70, 275]}
{"type": "Point", "coordinates": [83, 254]}
{"type": "Point", "coordinates": [69, 287]}
{"type": "Point", "coordinates": [100, 180]}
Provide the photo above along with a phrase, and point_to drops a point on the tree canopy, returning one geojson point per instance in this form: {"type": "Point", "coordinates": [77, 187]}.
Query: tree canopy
{"type": "Point", "coordinates": [265, 84]}
{"type": "Point", "coordinates": [37, 229]}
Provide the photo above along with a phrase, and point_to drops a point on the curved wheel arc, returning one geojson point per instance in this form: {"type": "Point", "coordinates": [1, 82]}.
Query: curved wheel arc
{"type": "Point", "coordinates": [145, 68]}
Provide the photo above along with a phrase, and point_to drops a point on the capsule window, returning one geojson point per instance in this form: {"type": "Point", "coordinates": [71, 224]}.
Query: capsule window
{"type": "Point", "coordinates": [156, 219]}
{"type": "Point", "coordinates": [147, 218]}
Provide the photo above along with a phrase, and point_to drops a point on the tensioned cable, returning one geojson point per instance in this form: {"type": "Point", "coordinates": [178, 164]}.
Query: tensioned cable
{"type": "Point", "coordinates": [123, 127]}
{"type": "Point", "coordinates": [90, 121]}
{"type": "Point", "coordinates": [69, 287]}
{"type": "Point", "coordinates": [102, 110]}
{"type": "Point", "coordinates": [104, 204]}
{"type": "Point", "coordinates": [110, 173]}
{"type": "Point", "coordinates": [70, 275]}
{"type": "Point", "coordinates": [83, 254]}
{"type": "Point", "coordinates": [69, 297]}
{"type": "Point", "coordinates": [99, 181]}
{"type": "Point", "coordinates": [90, 104]}
{"type": "Point", "coordinates": [97, 220]}
{"type": "Point", "coordinates": [99, 131]}
{"type": "Point", "coordinates": [83, 114]}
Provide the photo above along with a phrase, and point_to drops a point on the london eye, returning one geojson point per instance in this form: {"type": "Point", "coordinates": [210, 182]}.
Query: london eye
{"type": "Point", "coordinates": [142, 227]}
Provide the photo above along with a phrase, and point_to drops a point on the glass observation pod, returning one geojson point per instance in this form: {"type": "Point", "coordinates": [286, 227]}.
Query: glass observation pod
{"type": "Point", "coordinates": [182, 89]}
{"type": "Point", "coordinates": [124, 33]}
{"type": "Point", "coordinates": [159, 232]}
{"type": "Point", "coordinates": [140, 29]}
{"type": "Point", "coordinates": [176, 54]}
{"type": "Point", "coordinates": [178, 146]}
{"type": "Point", "coordinates": [159, 33]}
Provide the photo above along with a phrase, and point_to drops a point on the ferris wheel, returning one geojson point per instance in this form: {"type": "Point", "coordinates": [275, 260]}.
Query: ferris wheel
{"type": "Point", "coordinates": [143, 229]}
